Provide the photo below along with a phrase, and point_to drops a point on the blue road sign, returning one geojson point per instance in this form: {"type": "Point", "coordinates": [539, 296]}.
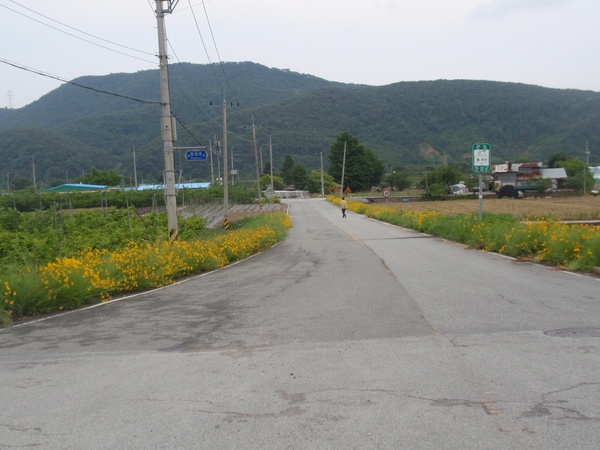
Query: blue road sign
{"type": "Point", "coordinates": [196, 155]}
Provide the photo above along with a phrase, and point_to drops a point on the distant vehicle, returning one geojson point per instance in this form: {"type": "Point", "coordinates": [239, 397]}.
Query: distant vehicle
{"type": "Point", "coordinates": [459, 189]}
{"type": "Point", "coordinates": [510, 191]}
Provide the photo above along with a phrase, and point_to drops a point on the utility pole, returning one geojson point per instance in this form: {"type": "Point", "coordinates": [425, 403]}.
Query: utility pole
{"type": "Point", "coordinates": [219, 156]}
{"type": "Point", "coordinates": [212, 171]}
{"type": "Point", "coordinates": [343, 168]}
{"type": "Point", "coordinates": [135, 182]}
{"type": "Point", "coordinates": [33, 164]}
{"type": "Point", "coordinates": [166, 120]}
{"type": "Point", "coordinates": [258, 193]}
{"type": "Point", "coordinates": [225, 175]}
{"type": "Point", "coordinates": [233, 172]}
{"type": "Point", "coordinates": [271, 161]}
{"type": "Point", "coordinates": [322, 181]}
{"type": "Point", "coordinates": [587, 165]}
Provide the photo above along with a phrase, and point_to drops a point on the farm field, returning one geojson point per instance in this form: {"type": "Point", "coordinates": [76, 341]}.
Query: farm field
{"type": "Point", "coordinates": [564, 208]}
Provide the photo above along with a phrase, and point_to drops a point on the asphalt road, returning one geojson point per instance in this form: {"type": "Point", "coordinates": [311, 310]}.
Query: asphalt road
{"type": "Point", "coordinates": [349, 334]}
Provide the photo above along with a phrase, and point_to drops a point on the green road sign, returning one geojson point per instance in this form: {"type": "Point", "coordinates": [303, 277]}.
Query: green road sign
{"type": "Point", "coordinates": [482, 157]}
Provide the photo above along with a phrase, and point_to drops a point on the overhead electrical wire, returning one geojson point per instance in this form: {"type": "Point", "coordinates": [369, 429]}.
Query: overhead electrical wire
{"type": "Point", "coordinates": [61, 79]}
{"type": "Point", "coordinates": [81, 31]}
{"type": "Point", "coordinates": [74, 83]}
{"type": "Point", "coordinates": [215, 44]}
{"type": "Point", "coordinates": [211, 63]}
{"type": "Point", "coordinates": [205, 49]}
{"type": "Point", "coordinates": [210, 118]}
{"type": "Point", "coordinates": [78, 37]}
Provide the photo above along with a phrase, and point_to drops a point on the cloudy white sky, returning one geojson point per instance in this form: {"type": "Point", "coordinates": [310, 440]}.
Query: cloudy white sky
{"type": "Point", "coordinates": [552, 43]}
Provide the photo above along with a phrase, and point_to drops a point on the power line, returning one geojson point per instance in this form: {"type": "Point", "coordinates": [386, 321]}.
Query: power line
{"type": "Point", "coordinates": [205, 49]}
{"type": "Point", "coordinates": [55, 77]}
{"type": "Point", "coordinates": [216, 48]}
{"type": "Point", "coordinates": [78, 37]}
{"type": "Point", "coordinates": [81, 31]}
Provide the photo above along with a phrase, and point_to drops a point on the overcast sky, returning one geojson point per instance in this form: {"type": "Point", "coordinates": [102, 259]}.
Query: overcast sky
{"type": "Point", "coordinates": [551, 43]}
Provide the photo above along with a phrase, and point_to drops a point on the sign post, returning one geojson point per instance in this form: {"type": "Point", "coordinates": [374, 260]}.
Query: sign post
{"type": "Point", "coordinates": [386, 194]}
{"type": "Point", "coordinates": [482, 157]}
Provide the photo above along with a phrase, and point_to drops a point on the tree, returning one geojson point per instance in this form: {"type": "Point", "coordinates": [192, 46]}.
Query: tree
{"type": "Point", "coordinates": [363, 168]}
{"type": "Point", "coordinates": [265, 181]}
{"type": "Point", "coordinates": [19, 183]}
{"type": "Point", "coordinates": [286, 169]}
{"type": "Point", "coordinates": [299, 176]}
{"type": "Point", "coordinates": [267, 169]}
{"type": "Point", "coordinates": [314, 182]}
{"type": "Point", "coordinates": [557, 158]}
{"type": "Point", "coordinates": [101, 177]}
{"type": "Point", "coordinates": [398, 179]}
{"type": "Point", "coordinates": [541, 185]}
{"type": "Point", "coordinates": [576, 171]}
{"type": "Point", "coordinates": [436, 191]}
{"type": "Point", "coordinates": [446, 176]}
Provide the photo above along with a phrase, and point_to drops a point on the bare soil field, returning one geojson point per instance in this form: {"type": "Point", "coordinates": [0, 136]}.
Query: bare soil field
{"type": "Point", "coordinates": [564, 208]}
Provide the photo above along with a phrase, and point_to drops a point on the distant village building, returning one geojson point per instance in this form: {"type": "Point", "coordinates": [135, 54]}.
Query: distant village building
{"type": "Point", "coordinates": [525, 174]}
{"type": "Point", "coordinates": [596, 172]}
{"type": "Point", "coordinates": [79, 187]}
{"type": "Point", "coordinates": [160, 187]}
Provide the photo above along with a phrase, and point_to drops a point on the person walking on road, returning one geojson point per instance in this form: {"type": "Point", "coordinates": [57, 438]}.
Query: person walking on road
{"type": "Point", "coordinates": [344, 206]}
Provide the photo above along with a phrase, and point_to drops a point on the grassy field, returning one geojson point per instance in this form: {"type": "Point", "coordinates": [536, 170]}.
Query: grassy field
{"type": "Point", "coordinates": [566, 208]}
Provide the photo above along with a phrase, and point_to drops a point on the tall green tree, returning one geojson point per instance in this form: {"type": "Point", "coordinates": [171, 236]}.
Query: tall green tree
{"type": "Point", "coordinates": [19, 183]}
{"type": "Point", "coordinates": [580, 177]}
{"type": "Point", "coordinates": [286, 169]}
{"type": "Point", "coordinates": [267, 169]}
{"type": "Point", "coordinates": [398, 179]}
{"type": "Point", "coordinates": [557, 158]}
{"type": "Point", "coordinates": [265, 182]}
{"type": "Point", "coordinates": [363, 168]}
{"type": "Point", "coordinates": [444, 175]}
{"type": "Point", "coordinates": [314, 182]}
{"type": "Point", "coordinates": [103, 177]}
{"type": "Point", "coordinates": [299, 176]}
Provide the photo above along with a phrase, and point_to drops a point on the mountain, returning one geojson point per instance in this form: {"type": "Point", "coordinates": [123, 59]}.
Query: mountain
{"type": "Point", "coordinates": [50, 155]}
{"type": "Point", "coordinates": [79, 126]}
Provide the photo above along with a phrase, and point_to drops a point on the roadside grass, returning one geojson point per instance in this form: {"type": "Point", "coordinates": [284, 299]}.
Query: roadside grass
{"type": "Point", "coordinates": [546, 240]}
{"type": "Point", "coordinates": [92, 275]}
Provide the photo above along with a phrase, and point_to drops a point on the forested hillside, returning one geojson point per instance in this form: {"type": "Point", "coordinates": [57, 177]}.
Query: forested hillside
{"type": "Point", "coordinates": [72, 128]}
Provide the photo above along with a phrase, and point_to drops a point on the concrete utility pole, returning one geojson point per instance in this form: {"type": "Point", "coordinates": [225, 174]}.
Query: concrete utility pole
{"type": "Point", "coordinates": [343, 169]}
{"type": "Point", "coordinates": [212, 172]}
{"type": "Point", "coordinates": [322, 181]}
{"type": "Point", "coordinates": [271, 161]}
{"type": "Point", "coordinates": [166, 120]}
{"type": "Point", "coordinates": [135, 182]}
{"type": "Point", "coordinates": [33, 164]}
{"type": "Point", "coordinates": [225, 175]}
{"type": "Point", "coordinates": [587, 166]}
{"type": "Point", "coordinates": [258, 192]}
